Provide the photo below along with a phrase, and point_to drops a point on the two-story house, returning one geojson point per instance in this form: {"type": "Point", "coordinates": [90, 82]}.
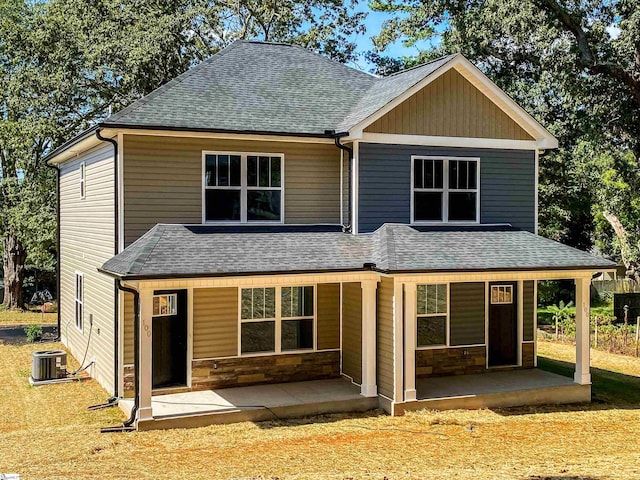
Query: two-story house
{"type": "Point", "coordinates": [273, 224]}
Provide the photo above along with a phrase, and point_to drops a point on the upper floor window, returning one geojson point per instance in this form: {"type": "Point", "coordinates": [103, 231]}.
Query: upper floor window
{"type": "Point", "coordinates": [83, 178]}
{"type": "Point", "coordinates": [445, 189]}
{"type": "Point", "coordinates": [242, 187]}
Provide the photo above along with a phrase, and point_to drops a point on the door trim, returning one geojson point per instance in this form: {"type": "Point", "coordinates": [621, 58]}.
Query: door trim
{"type": "Point", "coordinates": [519, 323]}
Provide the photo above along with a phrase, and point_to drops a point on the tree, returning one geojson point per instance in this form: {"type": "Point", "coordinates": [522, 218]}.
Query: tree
{"type": "Point", "coordinates": [65, 64]}
{"type": "Point", "coordinates": [574, 64]}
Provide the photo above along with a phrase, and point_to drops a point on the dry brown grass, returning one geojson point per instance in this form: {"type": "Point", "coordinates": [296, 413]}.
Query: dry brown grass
{"type": "Point", "coordinates": [8, 317]}
{"type": "Point", "coordinates": [45, 432]}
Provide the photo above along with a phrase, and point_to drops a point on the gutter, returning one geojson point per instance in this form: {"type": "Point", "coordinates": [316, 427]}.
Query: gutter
{"type": "Point", "coordinates": [128, 425]}
{"type": "Point", "coordinates": [57, 169]}
{"type": "Point", "coordinates": [349, 150]}
{"type": "Point", "coordinates": [116, 308]}
{"type": "Point", "coordinates": [366, 267]}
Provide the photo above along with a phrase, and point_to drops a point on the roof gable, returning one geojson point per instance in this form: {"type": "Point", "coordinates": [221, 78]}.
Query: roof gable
{"type": "Point", "coordinates": [449, 106]}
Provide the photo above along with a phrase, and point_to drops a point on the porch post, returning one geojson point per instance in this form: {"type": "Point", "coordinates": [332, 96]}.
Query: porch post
{"type": "Point", "coordinates": [582, 373]}
{"type": "Point", "coordinates": [410, 331]}
{"type": "Point", "coordinates": [369, 387]}
{"type": "Point", "coordinates": [144, 359]}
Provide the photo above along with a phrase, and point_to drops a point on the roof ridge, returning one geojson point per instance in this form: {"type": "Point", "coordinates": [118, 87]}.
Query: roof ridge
{"type": "Point", "coordinates": [415, 67]}
{"type": "Point", "coordinates": [335, 62]}
{"type": "Point", "coordinates": [132, 107]}
{"type": "Point", "coordinates": [155, 235]}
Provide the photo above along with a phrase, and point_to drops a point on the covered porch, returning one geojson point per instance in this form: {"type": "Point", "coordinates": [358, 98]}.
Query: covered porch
{"type": "Point", "coordinates": [495, 390]}
{"type": "Point", "coordinates": [255, 403]}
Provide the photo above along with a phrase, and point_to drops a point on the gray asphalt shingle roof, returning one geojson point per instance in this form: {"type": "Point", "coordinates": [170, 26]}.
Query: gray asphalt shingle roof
{"type": "Point", "coordinates": [267, 87]}
{"type": "Point", "coordinates": [169, 251]}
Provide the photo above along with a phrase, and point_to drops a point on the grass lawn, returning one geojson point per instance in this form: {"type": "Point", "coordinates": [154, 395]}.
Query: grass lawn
{"type": "Point", "coordinates": [46, 432]}
{"type": "Point", "coordinates": [8, 317]}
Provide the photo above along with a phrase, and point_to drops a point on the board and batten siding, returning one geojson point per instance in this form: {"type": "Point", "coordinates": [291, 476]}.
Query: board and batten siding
{"type": "Point", "coordinates": [352, 331]}
{"type": "Point", "coordinates": [507, 184]}
{"type": "Point", "coordinates": [328, 311]}
{"type": "Point", "coordinates": [215, 322]}
{"type": "Point", "coordinates": [450, 106]}
{"type": "Point", "coordinates": [467, 314]}
{"type": "Point", "coordinates": [384, 338]}
{"type": "Point", "coordinates": [163, 180]}
{"type": "Point", "coordinates": [528, 311]}
{"type": "Point", "coordinates": [87, 229]}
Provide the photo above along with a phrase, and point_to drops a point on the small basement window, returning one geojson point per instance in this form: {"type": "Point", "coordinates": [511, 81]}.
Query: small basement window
{"type": "Point", "coordinates": [432, 315]}
{"type": "Point", "coordinates": [79, 300]}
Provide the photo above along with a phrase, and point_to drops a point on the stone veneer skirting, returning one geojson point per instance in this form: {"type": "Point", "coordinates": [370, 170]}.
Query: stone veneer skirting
{"type": "Point", "coordinates": [450, 361]}
{"type": "Point", "coordinates": [242, 371]}
{"type": "Point", "coordinates": [528, 355]}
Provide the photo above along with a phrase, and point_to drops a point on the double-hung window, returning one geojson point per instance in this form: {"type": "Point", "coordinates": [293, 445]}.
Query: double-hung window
{"type": "Point", "coordinates": [277, 319]}
{"type": "Point", "coordinates": [79, 300]}
{"type": "Point", "coordinates": [432, 311]}
{"type": "Point", "coordinates": [445, 189]}
{"type": "Point", "coordinates": [242, 187]}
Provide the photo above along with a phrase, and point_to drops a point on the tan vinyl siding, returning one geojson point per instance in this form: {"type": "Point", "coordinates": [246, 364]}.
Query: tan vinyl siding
{"type": "Point", "coordinates": [328, 298]}
{"type": "Point", "coordinates": [127, 328]}
{"type": "Point", "coordinates": [86, 242]}
{"type": "Point", "coordinates": [163, 180]}
{"type": "Point", "coordinates": [352, 331]}
{"type": "Point", "coordinates": [384, 333]}
{"type": "Point", "coordinates": [466, 319]}
{"type": "Point", "coordinates": [449, 106]}
{"type": "Point", "coordinates": [528, 310]}
{"type": "Point", "coordinates": [215, 322]}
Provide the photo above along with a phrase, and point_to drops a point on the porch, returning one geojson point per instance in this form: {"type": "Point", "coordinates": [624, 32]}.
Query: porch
{"type": "Point", "coordinates": [495, 390]}
{"type": "Point", "coordinates": [253, 404]}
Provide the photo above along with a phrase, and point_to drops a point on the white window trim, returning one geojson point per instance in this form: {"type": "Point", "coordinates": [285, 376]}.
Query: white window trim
{"type": "Point", "coordinates": [79, 322]}
{"type": "Point", "coordinates": [278, 322]}
{"type": "Point", "coordinates": [175, 300]}
{"type": "Point", "coordinates": [83, 180]}
{"type": "Point", "coordinates": [447, 315]}
{"type": "Point", "coordinates": [507, 285]}
{"type": "Point", "coordinates": [243, 188]}
{"type": "Point", "coordinates": [445, 191]}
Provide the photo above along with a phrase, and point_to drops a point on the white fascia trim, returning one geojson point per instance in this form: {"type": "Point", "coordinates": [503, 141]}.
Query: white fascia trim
{"type": "Point", "coordinates": [434, 141]}
{"type": "Point", "coordinates": [226, 135]}
{"type": "Point", "coordinates": [544, 139]}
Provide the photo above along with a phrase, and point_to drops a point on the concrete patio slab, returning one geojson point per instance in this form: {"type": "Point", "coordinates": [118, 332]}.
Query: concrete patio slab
{"type": "Point", "coordinates": [254, 403]}
{"type": "Point", "coordinates": [495, 390]}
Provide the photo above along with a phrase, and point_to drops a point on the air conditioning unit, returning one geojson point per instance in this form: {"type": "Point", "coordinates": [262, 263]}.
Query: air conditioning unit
{"type": "Point", "coordinates": [48, 365]}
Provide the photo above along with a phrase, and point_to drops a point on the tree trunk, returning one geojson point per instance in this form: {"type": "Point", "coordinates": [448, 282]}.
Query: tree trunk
{"type": "Point", "coordinates": [13, 262]}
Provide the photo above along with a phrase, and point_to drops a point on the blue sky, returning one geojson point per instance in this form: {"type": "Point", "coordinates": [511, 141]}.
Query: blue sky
{"type": "Point", "coordinates": [373, 23]}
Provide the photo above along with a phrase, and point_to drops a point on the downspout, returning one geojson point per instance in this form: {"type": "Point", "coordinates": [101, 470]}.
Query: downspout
{"type": "Point", "coordinates": [116, 310]}
{"type": "Point", "coordinates": [128, 424]}
{"type": "Point", "coordinates": [349, 150]}
{"type": "Point", "coordinates": [57, 169]}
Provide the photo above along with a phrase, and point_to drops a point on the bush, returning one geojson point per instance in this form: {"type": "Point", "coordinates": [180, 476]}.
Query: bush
{"type": "Point", "coordinates": [34, 333]}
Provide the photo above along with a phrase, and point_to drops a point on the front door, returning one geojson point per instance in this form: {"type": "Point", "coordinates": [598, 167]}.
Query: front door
{"type": "Point", "coordinates": [169, 365]}
{"type": "Point", "coordinates": [503, 324]}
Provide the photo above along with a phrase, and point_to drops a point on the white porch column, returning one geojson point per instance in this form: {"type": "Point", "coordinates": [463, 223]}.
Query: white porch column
{"type": "Point", "coordinates": [410, 332]}
{"type": "Point", "coordinates": [582, 374]}
{"type": "Point", "coordinates": [369, 387]}
{"type": "Point", "coordinates": [144, 360]}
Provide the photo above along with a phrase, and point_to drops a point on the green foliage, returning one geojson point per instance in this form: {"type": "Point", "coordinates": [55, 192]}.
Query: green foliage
{"type": "Point", "coordinates": [34, 332]}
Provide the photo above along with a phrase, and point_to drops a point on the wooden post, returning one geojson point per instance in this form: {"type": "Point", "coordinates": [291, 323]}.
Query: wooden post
{"type": "Point", "coordinates": [582, 374]}
{"type": "Point", "coordinates": [410, 333]}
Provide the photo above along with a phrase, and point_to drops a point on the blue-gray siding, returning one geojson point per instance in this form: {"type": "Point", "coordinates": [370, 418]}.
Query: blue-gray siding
{"type": "Point", "coordinates": [507, 184]}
